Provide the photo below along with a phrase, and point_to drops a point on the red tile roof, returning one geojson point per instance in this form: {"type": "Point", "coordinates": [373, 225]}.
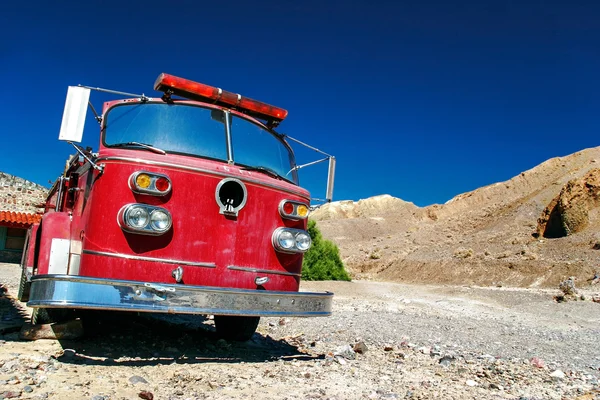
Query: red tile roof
{"type": "Point", "coordinates": [21, 218]}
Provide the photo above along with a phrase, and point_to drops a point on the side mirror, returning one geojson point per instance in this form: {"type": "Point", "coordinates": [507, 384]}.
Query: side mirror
{"type": "Point", "coordinates": [71, 129]}
{"type": "Point", "coordinates": [330, 178]}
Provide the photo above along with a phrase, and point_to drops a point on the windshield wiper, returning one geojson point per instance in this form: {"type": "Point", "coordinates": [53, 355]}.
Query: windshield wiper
{"type": "Point", "coordinates": [264, 170]}
{"type": "Point", "coordinates": [143, 145]}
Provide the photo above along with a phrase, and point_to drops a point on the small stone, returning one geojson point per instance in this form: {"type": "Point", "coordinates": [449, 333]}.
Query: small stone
{"type": "Point", "coordinates": [487, 357]}
{"type": "Point", "coordinates": [346, 352]}
{"type": "Point", "coordinates": [137, 379]}
{"type": "Point", "coordinates": [495, 386]}
{"type": "Point", "coordinates": [424, 350]}
{"type": "Point", "coordinates": [340, 360]}
{"type": "Point", "coordinates": [360, 348]}
{"type": "Point", "coordinates": [146, 395]}
{"type": "Point", "coordinates": [307, 375]}
{"type": "Point", "coordinates": [28, 389]}
{"type": "Point", "coordinates": [282, 321]}
{"type": "Point", "coordinates": [98, 397]}
{"type": "Point", "coordinates": [10, 395]}
{"type": "Point", "coordinates": [471, 382]}
{"type": "Point", "coordinates": [388, 348]}
{"type": "Point", "coordinates": [538, 362]}
{"type": "Point", "coordinates": [67, 354]}
{"type": "Point", "coordinates": [558, 374]}
{"type": "Point", "coordinates": [446, 361]}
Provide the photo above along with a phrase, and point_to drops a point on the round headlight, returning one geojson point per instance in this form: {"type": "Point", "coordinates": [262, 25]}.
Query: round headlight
{"type": "Point", "coordinates": [136, 217]}
{"type": "Point", "coordinates": [302, 241]}
{"type": "Point", "coordinates": [160, 220]}
{"type": "Point", "coordinates": [286, 240]}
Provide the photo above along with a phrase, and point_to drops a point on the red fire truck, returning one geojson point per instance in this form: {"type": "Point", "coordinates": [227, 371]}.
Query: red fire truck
{"type": "Point", "coordinates": [190, 205]}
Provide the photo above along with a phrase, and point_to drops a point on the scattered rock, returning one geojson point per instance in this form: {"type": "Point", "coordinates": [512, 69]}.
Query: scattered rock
{"type": "Point", "coordinates": [568, 287]}
{"type": "Point", "coordinates": [558, 374]}
{"type": "Point", "coordinates": [346, 352]}
{"type": "Point", "coordinates": [137, 379]}
{"type": "Point", "coordinates": [471, 382]}
{"type": "Point", "coordinates": [538, 362]}
{"type": "Point", "coordinates": [10, 395]}
{"type": "Point", "coordinates": [146, 395]}
{"type": "Point", "coordinates": [360, 348]}
{"type": "Point", "coordinates": [446, 361]}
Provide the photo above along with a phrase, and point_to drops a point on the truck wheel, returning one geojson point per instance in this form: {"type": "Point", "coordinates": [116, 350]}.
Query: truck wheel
{"type": "Point", "coordinates": [233, 327]}
{"type": "Point", "coordinates": [24, 286]}
{"type": "Point", "coordinates": [51, 315]}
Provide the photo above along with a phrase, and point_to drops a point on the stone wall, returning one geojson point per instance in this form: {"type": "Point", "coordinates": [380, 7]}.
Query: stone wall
{"type": "Point", "coordinates": [20, 195]}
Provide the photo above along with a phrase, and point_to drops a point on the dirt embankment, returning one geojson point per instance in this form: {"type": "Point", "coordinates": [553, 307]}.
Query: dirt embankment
{"type": "Point", "coordinates": [489, 236]}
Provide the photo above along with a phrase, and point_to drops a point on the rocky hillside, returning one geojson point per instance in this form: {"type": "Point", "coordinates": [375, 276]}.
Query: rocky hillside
{"type": "Point", "coordinates": [495, 235]}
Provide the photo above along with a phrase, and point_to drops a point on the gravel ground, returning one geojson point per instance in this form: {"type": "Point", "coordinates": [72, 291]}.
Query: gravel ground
{"type": "Point", "coordinates": [384, 341]}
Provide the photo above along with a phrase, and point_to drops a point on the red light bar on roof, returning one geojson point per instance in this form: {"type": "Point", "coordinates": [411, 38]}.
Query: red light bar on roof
{"type": "Point", "coordinates": [199, 91]}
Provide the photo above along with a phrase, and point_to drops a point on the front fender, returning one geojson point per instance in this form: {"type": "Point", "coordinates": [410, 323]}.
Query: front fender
{"type": "Point", "coordinates": [54, 243]}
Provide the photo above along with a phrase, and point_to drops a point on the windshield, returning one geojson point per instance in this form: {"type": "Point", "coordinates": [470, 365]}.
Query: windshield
{"type": "Point", "coordinates": [197, 131]}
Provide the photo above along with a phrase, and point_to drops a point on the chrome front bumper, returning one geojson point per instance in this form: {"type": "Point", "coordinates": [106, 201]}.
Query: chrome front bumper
{"type": "Point", "coordinates": [69, 291]}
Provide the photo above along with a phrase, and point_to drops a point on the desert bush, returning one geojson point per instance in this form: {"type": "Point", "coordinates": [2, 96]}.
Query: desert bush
{"type": "Point", "coordinates": [463, 253]}
{"type": "Point", "coordinates": [322, 261]}
{"type": "Point", "coordinates": [375, 254]}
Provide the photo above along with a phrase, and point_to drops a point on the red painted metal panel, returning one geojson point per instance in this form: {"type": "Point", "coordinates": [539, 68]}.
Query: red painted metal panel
{"type": "Point", "coordinates": [199, 233]}
{"type": "Point", "coordinates": [55, 225]}
{"type": "Point", "coordinates": [31, 246]}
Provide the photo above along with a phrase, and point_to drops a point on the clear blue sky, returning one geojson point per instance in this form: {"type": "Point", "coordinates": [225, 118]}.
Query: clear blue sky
{"type": "Point", "coordinates": [422, 100]}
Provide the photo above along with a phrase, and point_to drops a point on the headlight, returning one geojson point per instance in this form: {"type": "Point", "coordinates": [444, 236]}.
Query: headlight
{"type": "Point", "coordinates": [136, 217]}
{"type": "Point", "coordinates": [302, 241]}
{"type": "Point", "coordinates": [288, 240]}
{"type": "Point", "coordinates": [160, 220]}
{"type": "Point", "coordinates": [144, 219]}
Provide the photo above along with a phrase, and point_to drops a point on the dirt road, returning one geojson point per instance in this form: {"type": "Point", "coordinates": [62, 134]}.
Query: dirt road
{"type": "Point", "coordinates": [384, 341]}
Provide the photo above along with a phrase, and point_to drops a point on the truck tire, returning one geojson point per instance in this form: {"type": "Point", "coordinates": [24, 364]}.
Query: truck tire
{"type": "Point", "coordinates": [51, 315]}
{"type": "Point", "coordinates": [24, 286]}
{"type": "Point", "coordinates": [237, 328]}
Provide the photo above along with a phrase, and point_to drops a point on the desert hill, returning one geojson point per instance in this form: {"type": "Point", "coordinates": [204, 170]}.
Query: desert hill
{"type": "Point", "coordinates": [490, 236]}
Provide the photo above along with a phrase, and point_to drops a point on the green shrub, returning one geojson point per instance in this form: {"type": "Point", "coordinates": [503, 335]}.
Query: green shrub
{"type": "Point", "coordinates": [322, 261]}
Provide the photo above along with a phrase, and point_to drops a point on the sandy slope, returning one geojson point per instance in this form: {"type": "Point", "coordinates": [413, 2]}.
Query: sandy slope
{"type": "Point", "coordinates": [483, 236]}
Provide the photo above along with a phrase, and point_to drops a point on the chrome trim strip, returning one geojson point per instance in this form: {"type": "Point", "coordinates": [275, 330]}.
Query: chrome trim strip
{"type": "Point", "coordinates": [67, 291]}
{"type": "Point", "coordinates": [151, 259]}
{"type": "Point", "coordinates": [201, 170]}
{"type": "Point", "coordinates": [262, 271]}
